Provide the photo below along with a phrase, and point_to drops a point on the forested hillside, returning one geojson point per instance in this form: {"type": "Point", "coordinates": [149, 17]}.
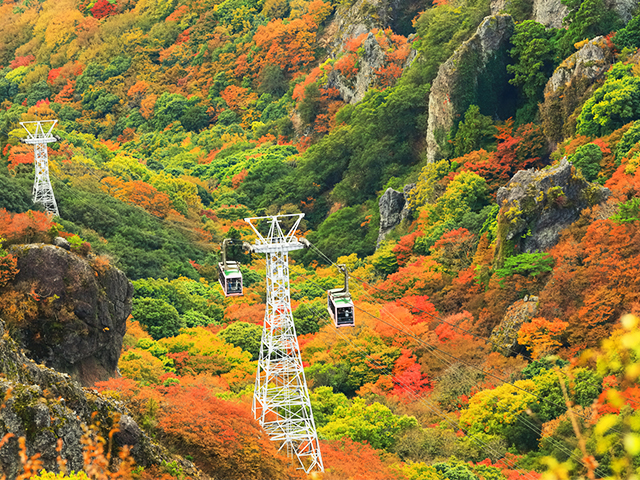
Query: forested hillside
{"type": "Point", "coordinates": [474, 164]}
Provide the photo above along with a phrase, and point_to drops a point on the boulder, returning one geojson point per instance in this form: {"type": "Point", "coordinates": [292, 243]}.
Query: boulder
{"type": "Point", "coordinates": [62, 243]}
{"type": "Point", "coordinates": [571, 84]}
{"type": "Point", "coordinates": [391, 204]}
{"type": "Point", "coordinates": [536, 205]}
{"type": "Point", "coordinates": [394, 208]}
{"type": "Point", "coordinates": [504, 337]}
{"type": "Point", "coordinates": [474, 74]}
{"type": "Point", "coordinates": [43, 405]}
{"type": "Point", "coordinates": [588, 64]}
{"type": "Point", "coordinates": [76, 311]}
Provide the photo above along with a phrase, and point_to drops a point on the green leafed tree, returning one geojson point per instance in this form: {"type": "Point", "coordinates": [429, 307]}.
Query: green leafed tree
{"type": "Point", "coordinates": [245, 335]}
{"type": "Point", "coordinates": [613, 105]}
{"type": "Point", "coordinates": [585, 20]}
{"type": "Point", "coordinates": [476, 131]}
{"type": "Point", "coordinates": [310, 106]}
{"type": "Point", "coordinates": [158, 317]}
{"type": "Point", "coordinates": [324, 403]}
{"type": "Point", "coordinates": [629, 36]}
{"type": "Point", "coordinates": [375, 424]}
{"type": "Point", "coordinates": [587, 159]}
{"type": "Point", "coordinates": [526, 264]}
{"type": "Point", "coordinates": [169, 108]}
{"type": "Point", "coordinates": [533, 59]}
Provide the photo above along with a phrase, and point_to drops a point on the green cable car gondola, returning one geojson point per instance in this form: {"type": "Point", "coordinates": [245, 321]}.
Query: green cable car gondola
{"type": "Point", "coordinates": [229, 274]}
{"type": "Point", "coordinates": [339, 303]}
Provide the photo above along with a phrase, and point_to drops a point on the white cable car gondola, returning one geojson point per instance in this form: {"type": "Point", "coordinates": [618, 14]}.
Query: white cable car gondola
{"type": "Point", "coordinates": [340, 304]}
{"type": "Point", "coordinates": [229, 274]}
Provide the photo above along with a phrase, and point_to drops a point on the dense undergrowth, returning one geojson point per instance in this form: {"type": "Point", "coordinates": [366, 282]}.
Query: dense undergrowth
{"type": "Point", "coordinates": [177, 119]}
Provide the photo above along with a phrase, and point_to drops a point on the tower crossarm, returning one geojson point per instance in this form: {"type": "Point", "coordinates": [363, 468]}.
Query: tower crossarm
{"type": "Point", "coordinates": [39, 131]}
{"type": "Point", "coordinates": [276, 240]}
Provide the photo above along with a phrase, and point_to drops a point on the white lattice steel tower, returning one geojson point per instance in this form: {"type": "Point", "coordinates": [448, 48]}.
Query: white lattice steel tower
{"type": "Point", "coordinates": [39, 135]}
{"type": "Point", "coordinates": [281, 399]}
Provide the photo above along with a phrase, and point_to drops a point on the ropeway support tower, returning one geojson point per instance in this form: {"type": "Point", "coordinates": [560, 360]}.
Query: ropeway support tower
{"type": "Point", "coordinates": [281, 401]}
{"type": "Point", "coordinates": [39, 135]}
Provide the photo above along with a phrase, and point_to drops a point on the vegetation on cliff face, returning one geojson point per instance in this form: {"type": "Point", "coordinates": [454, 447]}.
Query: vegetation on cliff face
{"type": "Point", "coordinates": [177, 119]}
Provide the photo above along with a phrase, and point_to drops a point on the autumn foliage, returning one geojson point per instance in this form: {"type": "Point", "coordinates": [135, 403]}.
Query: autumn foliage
{"type": "Point", "coordinates": [29, 227]}
{"type": "Point", "coordinates": [139, 193]}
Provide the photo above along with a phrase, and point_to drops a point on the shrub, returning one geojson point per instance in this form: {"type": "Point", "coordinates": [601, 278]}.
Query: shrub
{"type": "Point", "coordinates": [8, 266]}
{"type": "Point", "coordinates": [630, 138]}
{"type": "Point", "coordinates": [628, 212]}
{"type": "Point", "coordinates": [587, 159]}
{"type": "Point", "coordinates": [613, 105]}
{"type": "Point", "coordinates": [531, 264]}
{"type": "Point", "coordinates": [245, 335]}
{"type": "Point", "coordinates": [158, 317]}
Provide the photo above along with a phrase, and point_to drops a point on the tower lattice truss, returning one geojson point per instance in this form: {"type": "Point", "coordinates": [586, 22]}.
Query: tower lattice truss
{"type": "Point", "coordinates": [281, 401]}
{"type": "Point", "coordinates": [39, 135]}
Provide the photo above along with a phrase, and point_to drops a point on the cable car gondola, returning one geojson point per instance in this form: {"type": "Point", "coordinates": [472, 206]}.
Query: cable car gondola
{"type": "Point", "coordinates": [340, 304]}
{"type": "Point", "coordinates": [229, 274]}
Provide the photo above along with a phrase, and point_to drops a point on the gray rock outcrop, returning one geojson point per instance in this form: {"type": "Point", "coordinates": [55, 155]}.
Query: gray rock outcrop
{"type": "Point", "coordinates": [624, 8]}
{"type": "Point", "coordinates": [391, 204]}
{"type": "Point", "coordinates": [497, 6]}
{"type": "Point", "coordinates": [353, 91]}
{"type": "Point", "coordinates": [475, 74]}
{"type": "Point", "coordinates": [394, 208]}
{"type": "Point", "coordinates": [504, 337]}
{"type": "Point", "coordinates": [587, 64]}
{"type": "Point", "coordinates": [550, 13]}
{"type": "Point", "coordinates": [536, 205]}
{"type": "Point", "coordinates": [571, 84]}
{"type": "Point", "coordinates": [43, 405]}
{"type": "Point", "coordinates": [352, 20]}
{"type": "Point", "coordinates": [79, 313]}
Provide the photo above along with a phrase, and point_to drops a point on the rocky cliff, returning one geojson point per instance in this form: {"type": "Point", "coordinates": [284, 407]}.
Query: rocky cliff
{"type": "Point", "coordinates": [571, 84]}
{"type": "Point", "coordinates": [366, 19]}
{"type": "Point", "coordinates": [67, 311]}
{"type": "Point", "coordinates": [475, 74]}
{"type": "Point", "coordinates": [536, 205]}
{"type": "Point", "coordinates": [550, 13]}
{"type": "Point", "coordinates": [353, 91]}
{"type": "Point", "coordinates": [43, 405]}
{"type": "Point", "coordinates": [352, 19]}
{"type": "Point", "coordinates": [394, 208]}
